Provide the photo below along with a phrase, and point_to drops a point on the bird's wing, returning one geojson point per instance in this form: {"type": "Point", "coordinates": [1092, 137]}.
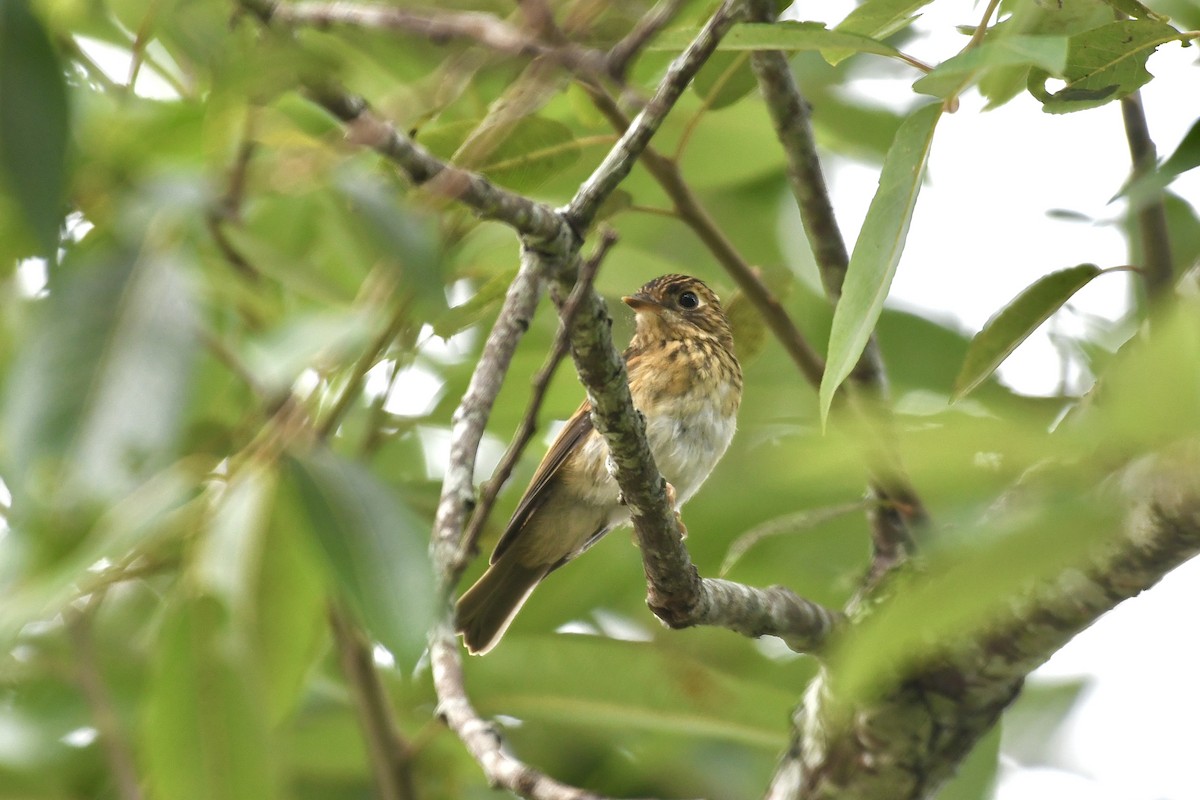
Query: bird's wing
{"type": "Point", "coordinates": [577, 427]}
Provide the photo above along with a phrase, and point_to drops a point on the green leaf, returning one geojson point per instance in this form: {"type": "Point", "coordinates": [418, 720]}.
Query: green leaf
{"type": "Point", "coordinates": [877, 19]}
{"type": "Point", "coordinates": [401, 235]}
{"type": "Point", "coordinates": [877, 251]}
{"type": "Point", "coordinates": [1187, 155]}
{"type": "Point", "coordinates": [1147, 188]}
{"type": "Point", "coordinates": [268, 580]}
{"type": "Point", "coordinates": [674, 694]}
{"type": "Point", "coordinates": [290, 620]}
{"type": "Point", "coordinates": [96, 398]}
{"type": "Point", "coordinates": [374, 546]}
{"type": "Point", "coordinates": [724, 79]}
{"type": "Point", "coordinates": [34, 121]}
{"type": "Point", "coordinates": [1013, 324]}
{"type": "Point", "coordinates": [749, 328]}
{"type": "Point", "coordinates": [1048, 53]}
{"type": "Point", "coordinates": [467, 314]}
{"type": "Point", "coordinates": [780, 36]}
{"type": "Point", "coordinates": [1104, 64]}
{"type": "Point", "coordinates": [965, 589]}
{"type": "Point", "coordinates": [975, 778]}
{"type": "Point", "coordinates": [880, 18]}
{"type": "Point", "coordinates": [204, 734]}
{"type": "Point", "coordinates": [1035, 720]}
{"type": "Point", "coordinates": [522, 156]}
{"type": "Point", "coordinates": [1136, 10]}
{"type": "Point", "coordinates": [319, 339]}
{"type": "Point", "coordinates": [231, 550]}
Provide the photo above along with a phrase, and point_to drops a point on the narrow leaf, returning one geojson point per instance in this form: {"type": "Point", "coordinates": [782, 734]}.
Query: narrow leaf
{"type": "Point", "coordinates": [1135, 9]}
{"type": "Point", "coordinates": [880, 18]}
{"type": "Point", "coordinates": [289, 619]}
{"type": "Point", "coordinates": [520, 156]}
{"type": "Point", "coordinates": [1048, 53]}
{"type": "Point", "coordinates": [33, 121]}
{"type": "Point", "coordinates": [965, 590]}
{"type": "Point", "coordinates": [1103, 64]}
{"type": "Point", "coordinates": [95, 400]}
{"type": "Point", "coordinates": [231, 550]}
{"type": "Point", "coordinates": [1187, 154]}
{"type": "Point", "coordinates": [373, 545]}
{"type": "Point", "coordinates": [877, 19]}
{"type": "Point", "coordinates": [464, 315]}
{"type": "Point", "coordinates": [877, 251]}
{"type": "Point", "coordinates": [204, 734]}
{"type": "Point", "coordinates": [781, 36]}
{"type": "Point", "coordinates": [724, 79]}
{"type": "Point", "coordinates": [674, 693]}
{"type": "Point", "coordinates": [1013, 324]}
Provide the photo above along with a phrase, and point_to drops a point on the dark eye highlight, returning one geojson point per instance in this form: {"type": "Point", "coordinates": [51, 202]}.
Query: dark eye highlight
{"type": "Point", "coordinates": [688, 300]}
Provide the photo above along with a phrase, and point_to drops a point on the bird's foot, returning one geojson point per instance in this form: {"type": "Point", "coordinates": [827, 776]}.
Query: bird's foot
{"type": "Point", "coordinates": [671, 498]}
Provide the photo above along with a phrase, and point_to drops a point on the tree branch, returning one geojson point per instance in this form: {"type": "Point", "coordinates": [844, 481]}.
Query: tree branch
{"type": "Point", "coordinates": [951, 700]}
{"type": "Point", "coordinates": [1157, 267]}
{"type": "Point", "coordinates": [441, 26]}
{"type": "Point", "coordinates": [389, 753]}
{"type": "Point", "coordinates": [104, 713]}
{"type": "Point", "coordinates": [623, 53]}
{"type": "Point", "coordinates": [481, 738]}
{"type": "Point", "coordinates": [581, 211]}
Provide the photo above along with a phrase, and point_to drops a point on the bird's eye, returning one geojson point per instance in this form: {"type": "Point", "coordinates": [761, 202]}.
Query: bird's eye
{"type": "Point", "coordinates": [688, 300]}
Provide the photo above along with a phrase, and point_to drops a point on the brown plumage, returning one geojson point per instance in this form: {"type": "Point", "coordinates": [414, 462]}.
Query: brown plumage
{"type": "Point", "coordinates": [685, 379]}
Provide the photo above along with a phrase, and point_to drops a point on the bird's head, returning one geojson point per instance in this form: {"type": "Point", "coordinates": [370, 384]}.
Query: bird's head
{"type": "Point", "coordinates": [679, 306]}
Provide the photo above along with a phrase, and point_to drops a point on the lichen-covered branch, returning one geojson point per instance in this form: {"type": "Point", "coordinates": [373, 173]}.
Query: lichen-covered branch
{"type": "Point", "coordinates": [945, 705]}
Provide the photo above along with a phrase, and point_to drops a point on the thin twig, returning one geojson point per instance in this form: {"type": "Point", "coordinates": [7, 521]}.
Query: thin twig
{"type": "Point", "coordinates": [537, 394]}
{"type": "Point", "coordinates": [441, 26]}
{"type": "Point", "coordinates": [137, 50]}
{"type": "Point", "coordinates": [623, 53]}
{"type": "Point", "coordinates": [581, 211]}
{"type": "Point", "coordinates": [481, 738]}
{"type": "Point", "coordinates": [1157, 266]}
{"type": "Point", "coordinates": [390, 755]}
{"type": "Point", "coordinates": [366, 360]}
{"type": "Point", "coordinates": [982, 28]}
{"type": "Point", "coordinates": [789, 523]}
{"type": "Point", "coordinates": [104, 712]}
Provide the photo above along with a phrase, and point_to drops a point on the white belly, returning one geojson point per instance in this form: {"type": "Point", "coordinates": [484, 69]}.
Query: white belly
{"type": "Point", "coordinates": [686, 447]}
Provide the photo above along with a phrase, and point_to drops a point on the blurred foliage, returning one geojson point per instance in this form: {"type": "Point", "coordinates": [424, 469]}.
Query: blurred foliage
{"type": "Point", "coordinates": [231, 343]}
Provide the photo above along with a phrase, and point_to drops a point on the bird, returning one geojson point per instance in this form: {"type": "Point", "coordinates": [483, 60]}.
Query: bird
{"type": "Point", "coordinates": [686, 381]}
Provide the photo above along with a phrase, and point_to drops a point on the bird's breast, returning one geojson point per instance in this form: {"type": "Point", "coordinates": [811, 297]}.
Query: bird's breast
{"type": "Point", "coordinates": [689, 433]}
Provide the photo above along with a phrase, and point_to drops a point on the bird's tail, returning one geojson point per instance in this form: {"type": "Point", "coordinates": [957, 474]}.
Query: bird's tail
{"type": "Point", "coordinates": [485, 611]}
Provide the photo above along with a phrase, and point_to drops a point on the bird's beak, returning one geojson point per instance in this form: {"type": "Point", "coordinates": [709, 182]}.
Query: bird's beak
{"type": "Point", "coordinates": [642, 302]}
